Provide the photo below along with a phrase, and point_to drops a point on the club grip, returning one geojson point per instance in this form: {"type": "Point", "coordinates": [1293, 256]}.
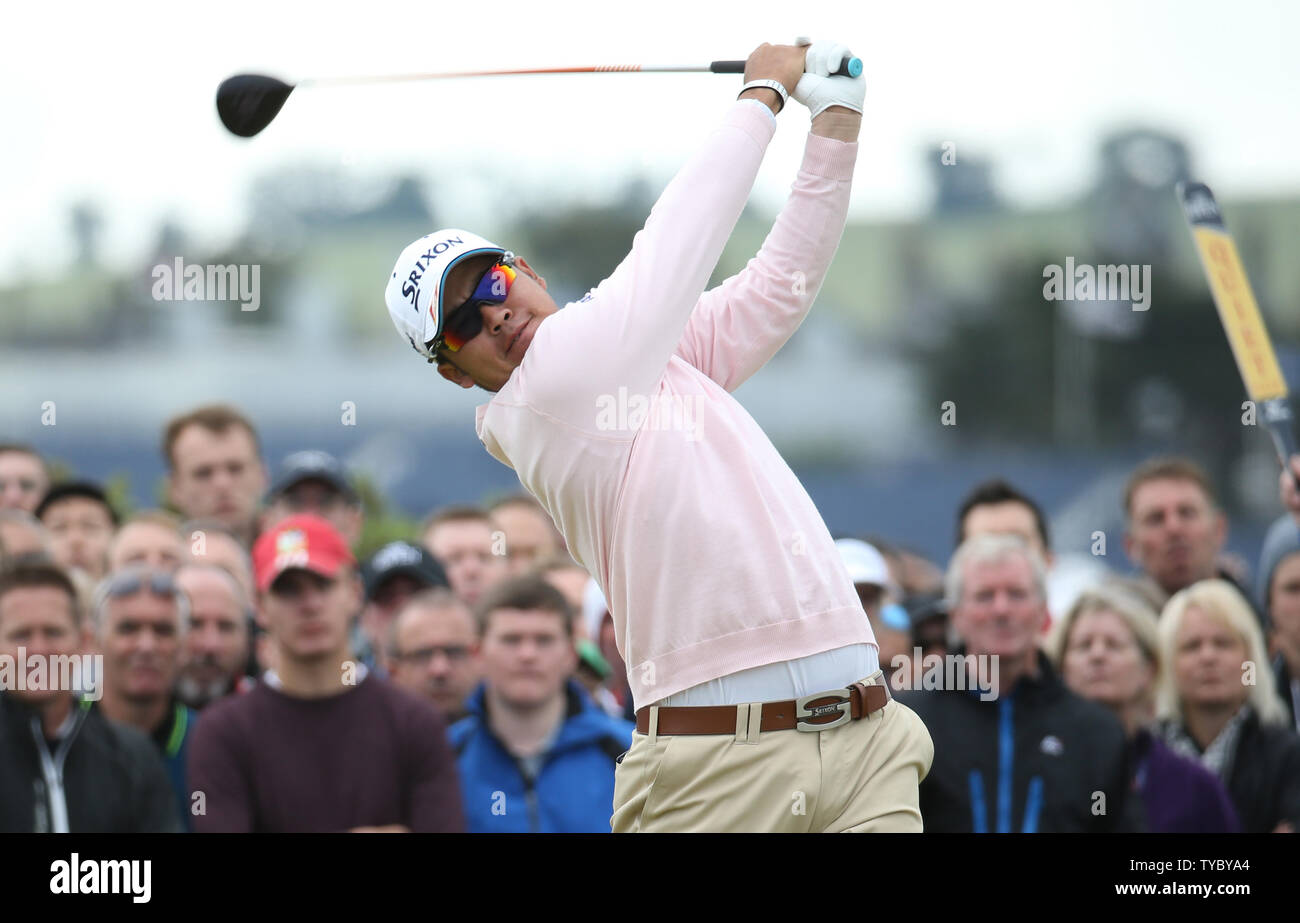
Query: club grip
{"type": "Point", "coordinates": [849, 67]}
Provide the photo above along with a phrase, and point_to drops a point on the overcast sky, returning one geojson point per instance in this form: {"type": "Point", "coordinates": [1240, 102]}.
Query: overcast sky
{"type": "Point", "coordinates": [114, 102]}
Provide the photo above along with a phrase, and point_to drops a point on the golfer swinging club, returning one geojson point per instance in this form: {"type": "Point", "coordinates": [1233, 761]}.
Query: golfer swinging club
{"type": "Point", "coordinates": [760, 701]}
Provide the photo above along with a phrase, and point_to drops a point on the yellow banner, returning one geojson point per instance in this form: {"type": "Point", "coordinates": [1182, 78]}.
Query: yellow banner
{"type": "Point", "coordinates": [1240, 315]}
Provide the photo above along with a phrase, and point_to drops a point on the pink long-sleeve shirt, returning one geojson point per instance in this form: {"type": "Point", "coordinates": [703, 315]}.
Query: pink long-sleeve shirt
{"type": "Point", "coordinates": [620, 420]}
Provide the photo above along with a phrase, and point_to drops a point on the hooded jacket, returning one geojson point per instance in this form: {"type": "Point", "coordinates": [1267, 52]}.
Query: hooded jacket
{"type": "Point", "coordinates": [1037, 759]}
{"type": "Point", "coordinates": [573, 788]}
{"type": "Point", "coordinates": [99, 777]}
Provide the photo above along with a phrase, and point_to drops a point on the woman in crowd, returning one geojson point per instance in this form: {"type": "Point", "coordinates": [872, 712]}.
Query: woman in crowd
{"type": "Point", "coordinates": [1218, 704]}
{"type": "Point", "coordinates": [1107, 651]}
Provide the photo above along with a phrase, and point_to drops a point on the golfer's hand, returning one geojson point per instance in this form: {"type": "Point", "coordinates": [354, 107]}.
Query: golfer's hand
{"type": "Point", "coordinates": [1290, 494]}
{"type": "Point", "coordinates": [834, 101]}
{"type": "Point", "coordinates": [783, 63]}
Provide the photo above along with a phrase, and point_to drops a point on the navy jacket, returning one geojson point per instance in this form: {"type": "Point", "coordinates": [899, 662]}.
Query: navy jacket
{"type": "Point", "coordinates": [1032, 760]}
{"type": "Point", "coordinates": [173, 740]}
{"type": "Point", "coordinates": [573, 790]}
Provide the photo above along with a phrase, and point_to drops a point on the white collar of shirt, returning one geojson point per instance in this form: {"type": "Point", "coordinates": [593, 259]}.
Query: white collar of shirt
{"type": "Point", "coordinates": [272, 679]}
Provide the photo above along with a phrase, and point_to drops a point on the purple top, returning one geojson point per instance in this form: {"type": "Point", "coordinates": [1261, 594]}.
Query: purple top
{"type": "Point", "coordinates": [372, 756]}
{"type": "Point", "coordinates": [1180, 795]}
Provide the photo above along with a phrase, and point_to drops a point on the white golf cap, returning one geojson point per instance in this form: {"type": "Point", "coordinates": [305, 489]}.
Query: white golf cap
{"type": "Point", "coordinates": [864, 563]}
{"type": "Point", "coordinates": [414, 291]}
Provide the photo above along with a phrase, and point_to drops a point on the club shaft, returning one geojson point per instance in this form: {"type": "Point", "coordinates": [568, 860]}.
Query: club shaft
{"type": "Point", "coordinates": [597, 69]}
{"type": "Point", "coordinates": [848, 66]}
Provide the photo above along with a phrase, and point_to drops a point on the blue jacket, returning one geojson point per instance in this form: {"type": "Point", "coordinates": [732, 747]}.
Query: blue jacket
{"type": "Point", "coordinates": [573, 791]}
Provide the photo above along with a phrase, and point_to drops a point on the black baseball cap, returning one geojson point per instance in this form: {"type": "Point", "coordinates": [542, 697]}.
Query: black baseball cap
{"type": "Point", "coordinates": [311, 465]}
{"type": "Point", "coordinates": [922, 607]}
{"type": "Point", "coordinates": [402, 559]}
{"type": "Point", "coordinates": [88, 490]}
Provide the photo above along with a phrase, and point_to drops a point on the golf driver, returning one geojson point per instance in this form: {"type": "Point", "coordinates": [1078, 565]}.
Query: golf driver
{"type": "Point", "coordinates": [247, 103]}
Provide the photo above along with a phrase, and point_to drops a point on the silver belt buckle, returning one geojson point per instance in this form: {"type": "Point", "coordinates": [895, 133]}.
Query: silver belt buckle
{"type": "Point", "coordinates": [802, 712]}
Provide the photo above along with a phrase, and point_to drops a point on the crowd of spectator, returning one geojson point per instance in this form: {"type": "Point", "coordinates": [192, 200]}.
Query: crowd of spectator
{"type": "Point", "coordinates": [240, 669]}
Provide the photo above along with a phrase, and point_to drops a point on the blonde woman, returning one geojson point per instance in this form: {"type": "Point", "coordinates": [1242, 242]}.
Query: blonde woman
{"type": "Point", "coordinates": [1218, 704]}
{"type": "Point", "coordinates": [1107, 650]}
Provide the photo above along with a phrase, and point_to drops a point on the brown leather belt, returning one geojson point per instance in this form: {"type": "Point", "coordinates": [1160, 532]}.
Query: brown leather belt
{"type": "Point", "coordinates": [816, 712]}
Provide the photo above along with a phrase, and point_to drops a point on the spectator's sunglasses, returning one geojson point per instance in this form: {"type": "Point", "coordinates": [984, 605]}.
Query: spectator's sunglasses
{"type": "Point", "coordinates": [133, 580]}
{"type": "Point", "coordinates": [128, 583]}
{"type": "Point", "coordinates": [465, 322]}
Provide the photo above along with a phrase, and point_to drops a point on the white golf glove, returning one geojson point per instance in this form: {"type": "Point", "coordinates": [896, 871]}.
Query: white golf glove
{"type": "Point", "coordinates": [818, 90]}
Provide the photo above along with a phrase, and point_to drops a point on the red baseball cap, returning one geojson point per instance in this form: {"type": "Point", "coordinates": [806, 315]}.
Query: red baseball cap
{"type": "Point", "coordinates": [305, 542]}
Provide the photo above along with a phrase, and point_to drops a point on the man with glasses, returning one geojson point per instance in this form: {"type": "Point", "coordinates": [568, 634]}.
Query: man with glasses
{"type": "Point", "coordinates": [433, 650]}
{"type": "Point", "coordinates": [391, 576]}
{"type": "Point", "coordinates": [321, 743]}
{"type": "Point", "coordinates": [734, 615]}
{"type": "Point", "coordinates": [140, 618]}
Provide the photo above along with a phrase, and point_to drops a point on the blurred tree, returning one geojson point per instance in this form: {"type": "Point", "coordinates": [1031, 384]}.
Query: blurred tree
{"type": "Point", "coordinates": [577, 246]}
{"type": "Point", "coordinates": [117, 487]}
{"type": "Point", "coordinates": [170, 240]}
{"type": "Point", "coordinates": [294, 204]}
{"type": "Point", "coordinates": [995, 362]}
{"type": "Point", "coordinates": [961, 185]}
{"type": "Point", "coordinates": [59, 470]}
{"type": "Point", "coordinates": [1171, 385]}
{"type": "Point", "coordinates": [382, 524]}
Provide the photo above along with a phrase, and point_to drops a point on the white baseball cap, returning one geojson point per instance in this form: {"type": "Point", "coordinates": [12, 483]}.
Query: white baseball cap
{"type": "Point", "coordinates": [414, 291]}
{"type": "Point", "coordinates": [864, 563]}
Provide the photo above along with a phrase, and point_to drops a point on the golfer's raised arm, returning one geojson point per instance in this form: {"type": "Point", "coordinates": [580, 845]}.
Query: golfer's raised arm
{"type": "Point", "coordinates": [739, 325]}
{"type": "Point", "coordinates": [639, 312]}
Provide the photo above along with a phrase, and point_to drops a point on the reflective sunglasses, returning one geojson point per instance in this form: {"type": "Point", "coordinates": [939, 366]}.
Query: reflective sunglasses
{"type": "Point", "coordinates": [465, 322]}
{"type": "Point", "coordinates": [130, 582]}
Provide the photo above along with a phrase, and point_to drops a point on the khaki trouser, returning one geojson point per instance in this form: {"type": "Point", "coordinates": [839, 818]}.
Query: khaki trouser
{"type": "Point", "coordinates": [860, 777]}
